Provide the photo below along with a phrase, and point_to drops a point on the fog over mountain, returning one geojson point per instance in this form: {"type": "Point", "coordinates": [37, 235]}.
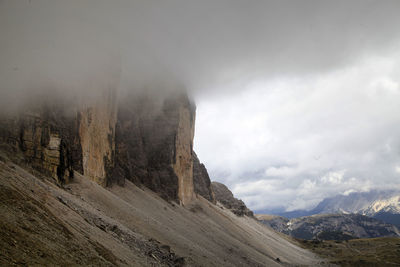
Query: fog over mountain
{"type": "Point", "coordinates": [296, 100]}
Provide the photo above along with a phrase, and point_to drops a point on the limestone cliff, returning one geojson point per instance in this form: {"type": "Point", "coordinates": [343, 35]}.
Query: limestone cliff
{"type": "Point", "coordinates": [59, 138]}
{"type": "Point", "coordinates": [154, 145]}
{"type": "Point", "coordinates": [183, 156]}
{"type": "Point", "coordinates": [97, 136]}
{"type": "Point", "coordinates": [201, 180]}
{"type": "Point", "coordinates": [47, 140]}
{"type": "Point", "coordinates": [146, 139]}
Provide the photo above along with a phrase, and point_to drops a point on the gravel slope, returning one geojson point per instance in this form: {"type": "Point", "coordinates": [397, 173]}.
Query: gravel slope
{"type": "Point", "coordinates": [84, 223]}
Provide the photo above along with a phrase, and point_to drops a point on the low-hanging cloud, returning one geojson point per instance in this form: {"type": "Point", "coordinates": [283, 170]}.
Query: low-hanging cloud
{"type": "Point", "coordinates": [205, 46]}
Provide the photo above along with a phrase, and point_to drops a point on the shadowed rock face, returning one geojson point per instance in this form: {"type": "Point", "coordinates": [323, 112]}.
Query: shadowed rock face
{"type": "Point", "coordinates": [201, 180]}
{"type": "Point", "coordinates": [154, 145]}
{"type": "Point", "coordinates": [48, 140]}
{"type": "Point", "coordinates": [226, 198]}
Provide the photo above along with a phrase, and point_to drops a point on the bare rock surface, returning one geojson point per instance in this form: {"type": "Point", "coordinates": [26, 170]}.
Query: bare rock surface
{"type": "Point", "coordinates": [46, 139]}
{"type": "Point", "coordinates": [154, 145]}
{"type": "Point", "coordinates": [226, 198]}
{"type": "Point", "coordinates": [97, 122]}
{"type": "Point", "coordinates": [201, 180]}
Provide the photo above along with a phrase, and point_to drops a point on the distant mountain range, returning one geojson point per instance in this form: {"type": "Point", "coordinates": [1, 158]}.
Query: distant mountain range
{"type": "Point", "coordinates": [330, 226]}
{"type": "Point", "coordinates": [382, 205]}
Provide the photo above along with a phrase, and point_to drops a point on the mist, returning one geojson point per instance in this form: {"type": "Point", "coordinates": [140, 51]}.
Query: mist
{"type": "Point", "coordinates": [242, 62]}
{"type": "Point", "coordinates": [79, 47]}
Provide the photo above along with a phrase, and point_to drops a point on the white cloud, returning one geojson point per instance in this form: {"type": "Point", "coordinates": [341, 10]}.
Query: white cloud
{"type": "Point", "coordinates": [293, 141]}
{"type": "Point", "coordinates": [397, 169]}
{"type": "Point", "coordinates": [333, 178]}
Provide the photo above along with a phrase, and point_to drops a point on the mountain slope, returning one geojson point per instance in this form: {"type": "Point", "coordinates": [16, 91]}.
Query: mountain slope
{"type": "Point", "coordinates": [85, 222]}
{"type": "Point", "coordinates": [387, 205]}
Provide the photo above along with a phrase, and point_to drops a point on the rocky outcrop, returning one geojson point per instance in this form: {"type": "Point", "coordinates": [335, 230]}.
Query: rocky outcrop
{"type": "Point", "coordinates": [154, 145]}
{"type": "Point", "coordinates": [58, 139]}
{"type": "Point", "coordinates": [226, 198]}
{"type": "Point", "coordinates": [201, 180]}
{"type": "Point", "coordinates": [47, 139]}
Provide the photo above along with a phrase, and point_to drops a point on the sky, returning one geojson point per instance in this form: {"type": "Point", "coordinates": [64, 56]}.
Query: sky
{"type": "Point", "coordinates": [287, 143]}
{"type": "Point", "coordinates": [296, 100]}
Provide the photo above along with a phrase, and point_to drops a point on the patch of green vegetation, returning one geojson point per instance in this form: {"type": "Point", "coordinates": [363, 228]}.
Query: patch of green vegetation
{"type": "Point", "coordinates": [384, 251]}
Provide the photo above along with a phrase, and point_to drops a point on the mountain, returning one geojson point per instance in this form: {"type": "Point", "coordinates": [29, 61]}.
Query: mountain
{"type": "Point", "coordinates": [115, 182]}
{"type": "Point", "coordinates": [386, 205]}
{"type": "Point", "coordinates": [383, 205]}
{"type": "Point", "coordinates": [331, 226]}
{"type": "Point", "coordinates": [367, 203]}
{"type": "Point", "coordinates": [141, 139]}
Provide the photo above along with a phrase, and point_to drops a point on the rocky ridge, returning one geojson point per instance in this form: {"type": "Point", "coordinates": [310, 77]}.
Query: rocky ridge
{"type": "Point", "coordinates": [224, 196]}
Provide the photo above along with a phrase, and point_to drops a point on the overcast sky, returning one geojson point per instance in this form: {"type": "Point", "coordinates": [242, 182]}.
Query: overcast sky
{"type": "Point", "coordinates": [320, 117]}
{"type": "Point", "coordinates": [296, 100]}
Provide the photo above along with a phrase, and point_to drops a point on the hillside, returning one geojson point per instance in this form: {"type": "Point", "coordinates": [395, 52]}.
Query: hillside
{"type": "Point", "coordinates": [83, 222]}
{"type": "Point", "coordinates": [383, 251]}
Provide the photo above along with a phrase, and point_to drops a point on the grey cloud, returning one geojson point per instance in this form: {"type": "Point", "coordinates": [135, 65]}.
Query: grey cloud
{"type": "Point", "coordinates": [203, 45]}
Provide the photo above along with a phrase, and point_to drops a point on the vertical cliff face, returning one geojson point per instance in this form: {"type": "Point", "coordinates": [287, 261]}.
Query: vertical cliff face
{"type": "Point", "coordinates": [59, 138]}
{"type": "Point", "coordinates": [201, 180]}
{"type": "Point", "coordinates": [146, 139]}
{"type": "Point", "coordinates": [46, 137]}
{"type": "Point", "coordinates": [97, 136]}
{"type": "Point", "coordinates": [183, 156]}
{"type": "Point", "coordinates": [154, 145]}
